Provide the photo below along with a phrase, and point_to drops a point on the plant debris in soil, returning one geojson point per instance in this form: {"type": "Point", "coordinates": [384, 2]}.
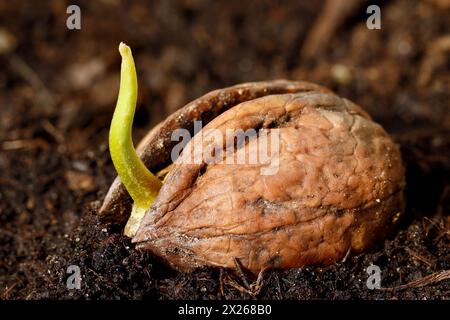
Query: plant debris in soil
{"type": "Point", "coordinates": [57, 94]}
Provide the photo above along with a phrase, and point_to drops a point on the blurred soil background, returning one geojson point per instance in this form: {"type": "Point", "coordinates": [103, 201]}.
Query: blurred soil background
{"type": "Point", "coordinates": [58, 88]}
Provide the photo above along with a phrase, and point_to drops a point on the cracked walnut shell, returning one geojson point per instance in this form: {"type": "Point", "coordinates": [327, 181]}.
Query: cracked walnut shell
{"type": "Point", "coordinates": [338, 188]}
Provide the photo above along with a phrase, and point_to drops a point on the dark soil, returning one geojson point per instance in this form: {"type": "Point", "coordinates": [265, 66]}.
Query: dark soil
{"type": "Point", "coordinates": [57, 93]}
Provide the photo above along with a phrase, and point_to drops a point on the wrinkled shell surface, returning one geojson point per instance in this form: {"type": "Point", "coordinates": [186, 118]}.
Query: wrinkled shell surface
{"type": "Point", "coordinates": [155, 148]}
{"type": "Point", "coordinates": [339, 188]}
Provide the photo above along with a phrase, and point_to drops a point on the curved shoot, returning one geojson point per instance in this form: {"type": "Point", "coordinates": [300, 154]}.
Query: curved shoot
{"type": "Point", "coordinates": [140, 183]}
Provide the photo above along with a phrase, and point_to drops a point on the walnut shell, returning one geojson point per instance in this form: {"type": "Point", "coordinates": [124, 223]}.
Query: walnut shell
{"type": "Point", "coordinates": [155, 148]}
{"type": "Point", "coordinates": [339, 188]}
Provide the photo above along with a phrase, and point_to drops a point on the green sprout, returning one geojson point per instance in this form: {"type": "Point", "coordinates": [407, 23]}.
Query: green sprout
{"type": "Point", "coordinates": [140, 183]}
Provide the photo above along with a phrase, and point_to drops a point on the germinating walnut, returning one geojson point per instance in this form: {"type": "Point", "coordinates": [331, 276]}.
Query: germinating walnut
{"type": "Point", "coordinates": [332, 184]}
{"type": "Point", "coordinates": [338, 188]}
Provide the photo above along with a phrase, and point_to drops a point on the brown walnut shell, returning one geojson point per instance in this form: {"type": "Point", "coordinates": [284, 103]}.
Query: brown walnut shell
{"type": "Point", "coordinates": [339, 185]}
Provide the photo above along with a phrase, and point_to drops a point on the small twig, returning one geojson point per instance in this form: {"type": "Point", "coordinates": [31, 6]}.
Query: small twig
{"type": "Point", "coordinates": [433, 223]}
{"type": "Point", "coordinates": [53, 131]}
{"type": "Point", "coordinates": [235, 285]}
{"type": "Point", "coordinates": [332, 16]}
{"type": "Point", "coordinates": [7, 291]}
{"type": "Point", "coordinates": [24, 144]}
{"type": "Point", "coordinates": [256, 287]}
{"type": "Point", "coordinates": [443, 231]}
{"type": "Point", "coordinates": [279, 286]}
{"type": "Point", "coordinates": [430, 279]}
{"type": "Point", "coordinates": [253, 289]}
{"type": "Point", "coordinates": [347, 254]}
{"type": "Point", "coordinates": [241, 273]}
{"type": "Point", "coordinates": [221, 282]}
{"type": "Point", "coordinates": [417, 256]}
